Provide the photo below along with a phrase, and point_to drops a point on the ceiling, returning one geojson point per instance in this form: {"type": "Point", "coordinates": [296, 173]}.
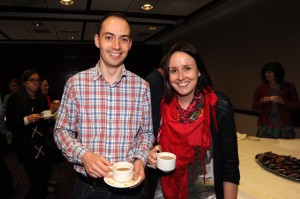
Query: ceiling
{"type": "Point", "coordinates": [49, 21]}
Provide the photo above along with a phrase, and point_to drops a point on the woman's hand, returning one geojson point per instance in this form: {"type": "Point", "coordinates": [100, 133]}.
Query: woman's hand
{"type": "Point", "coordinates": [265, 99]}
{"type": "Point", "coordinates": [33, 118]}
{"type": "Point", "coordinates": [277, 99]}
{"type": "Point", "coordinates": [152, 159]}
{"type": "Point", "coordinates": [55, 105]}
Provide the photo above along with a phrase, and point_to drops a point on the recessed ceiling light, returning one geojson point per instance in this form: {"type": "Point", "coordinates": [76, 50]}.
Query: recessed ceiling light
{"type": "Point", "coordinates": [147, 6]}
{"type": "Point", "coordinates": [152, 28]}
{"type": "Point", "coordinates": [66, 2]}
{"type": "Point", "coordinates": [37, 24]}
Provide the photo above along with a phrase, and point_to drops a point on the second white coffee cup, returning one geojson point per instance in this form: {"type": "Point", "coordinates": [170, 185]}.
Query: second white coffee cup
{"type": "Point", "coordinates": [46, 113]}
{"type": "Point", "coordinates": [166, 161]}
{"type": "Point", "coordinates": [122, 171]}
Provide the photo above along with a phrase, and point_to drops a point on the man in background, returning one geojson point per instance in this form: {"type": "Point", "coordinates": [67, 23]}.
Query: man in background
{"type": "Point", "coordinates": [157, 88]}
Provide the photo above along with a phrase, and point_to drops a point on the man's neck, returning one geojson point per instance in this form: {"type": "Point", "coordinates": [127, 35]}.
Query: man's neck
{"type": "Point", "coordinates": [111, 74]}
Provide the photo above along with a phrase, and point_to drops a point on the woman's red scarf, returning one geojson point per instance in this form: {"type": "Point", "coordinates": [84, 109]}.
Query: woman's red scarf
{"type": "Point", "coordinates": [181, 131]}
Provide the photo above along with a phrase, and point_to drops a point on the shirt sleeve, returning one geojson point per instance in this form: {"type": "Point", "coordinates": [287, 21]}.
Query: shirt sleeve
{"type": "Point", "coordinates": [65, 131]}
{"type": "Point", "coordinates": [144, 139]}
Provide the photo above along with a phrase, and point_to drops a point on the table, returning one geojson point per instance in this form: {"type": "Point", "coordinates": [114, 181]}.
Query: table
{"type": "Point", "coordinates": [258, 183]}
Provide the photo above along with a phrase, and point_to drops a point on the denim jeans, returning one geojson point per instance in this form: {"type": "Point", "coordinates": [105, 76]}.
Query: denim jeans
{"type": "Point", "coordinates": [86, 191]}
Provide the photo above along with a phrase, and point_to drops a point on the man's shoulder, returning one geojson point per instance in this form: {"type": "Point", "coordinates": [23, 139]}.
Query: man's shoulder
{"type": "Point", "coordinates": [82, 74]}
{"type": "Point", "coordinates": [135, 77]}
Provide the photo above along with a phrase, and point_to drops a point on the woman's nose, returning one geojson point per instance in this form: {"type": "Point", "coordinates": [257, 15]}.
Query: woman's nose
{"type": "Point", "coordinates": [180, 75]}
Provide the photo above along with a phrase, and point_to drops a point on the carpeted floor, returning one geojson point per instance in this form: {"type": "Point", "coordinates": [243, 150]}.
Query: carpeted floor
{"type": "Point", "coordinates": [63, 173]}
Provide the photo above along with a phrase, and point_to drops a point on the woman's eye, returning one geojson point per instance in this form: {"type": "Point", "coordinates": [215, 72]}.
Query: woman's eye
{"type": "Point", "coordinates": [172, 70]}
{"type": "Point", "coordinates": [187, 68]}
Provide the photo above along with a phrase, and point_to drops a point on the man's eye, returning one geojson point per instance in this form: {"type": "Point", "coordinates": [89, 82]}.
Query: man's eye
{"type": "Point", "coordinates": [125, 40]}
{"type": "Point", "coordinates": [109, 37]}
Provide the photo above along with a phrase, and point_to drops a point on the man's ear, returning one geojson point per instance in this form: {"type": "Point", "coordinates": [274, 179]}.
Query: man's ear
{"type": "Point", "coordinates": [96, 40]}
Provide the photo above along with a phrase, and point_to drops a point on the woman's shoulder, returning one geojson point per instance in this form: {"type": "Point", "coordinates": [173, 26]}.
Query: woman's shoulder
{"type": "Point", "coordinates": [223, 104]}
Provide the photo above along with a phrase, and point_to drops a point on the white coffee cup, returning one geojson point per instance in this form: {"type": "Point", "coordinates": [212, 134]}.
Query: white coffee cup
{"type": "Point", "coordinates": [166, 161]}
{"type": "Point", "coordinates": [46, 113]}
{"type": "Point", "coordinates": [122, 171]}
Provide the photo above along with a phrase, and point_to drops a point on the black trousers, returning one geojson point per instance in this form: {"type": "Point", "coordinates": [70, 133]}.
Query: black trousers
{"type": "Point", "coordinates": [6, 180]}
{"type": "Point", "coordinates": [150, 183]}
{"type": "Point", "coordinates": [38, 174]}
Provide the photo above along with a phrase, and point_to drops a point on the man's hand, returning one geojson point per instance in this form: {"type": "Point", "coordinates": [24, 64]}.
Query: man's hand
{"type": "Point", "coordinates": [138, 171]}
{"type": "Point", "coordinates": [96, 166]}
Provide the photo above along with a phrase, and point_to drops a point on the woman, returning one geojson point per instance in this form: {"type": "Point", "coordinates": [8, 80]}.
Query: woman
{"type": "Point", "coordinates": [198, 127]}
{"type": "Point", "coordinates": [53, 106]}
{"type": "Point", "coordinates": [30, 132]}
{"type": "Point", "coordinates": [274, 98]}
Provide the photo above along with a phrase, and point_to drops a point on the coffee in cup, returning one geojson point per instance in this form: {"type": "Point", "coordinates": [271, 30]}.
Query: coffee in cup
{"type": "Point", "coordinates": [46, 113]}
{"type": "Point", "coordinates": [166, 161]}
{"type": "Point", "coordinates": [122, 171]}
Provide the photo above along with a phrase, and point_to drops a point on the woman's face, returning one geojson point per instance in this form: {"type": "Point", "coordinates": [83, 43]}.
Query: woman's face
{"type": "Point", "coordinates": [32, 84]}
{"type": "Point", "coordinates": [45, 87]}
{"type": "Point", "coordinates": [270, 76]}
{"type": "Point", "coordinates": [183, 74]}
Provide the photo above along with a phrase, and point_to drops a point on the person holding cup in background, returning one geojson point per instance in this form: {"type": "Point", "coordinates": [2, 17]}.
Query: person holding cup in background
{"type": "Point", "coordinates": [274, 98]}
{"type": "Point", "coordinates": [105, 116]}
{"type": "Point", "coordinates": [53, 105]}
{"type": "Point", "coordinates": [30, 132]}
{"type": "Point", "coordinates": [198, 127]}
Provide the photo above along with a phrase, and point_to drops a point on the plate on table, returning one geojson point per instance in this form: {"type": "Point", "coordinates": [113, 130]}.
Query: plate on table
{"type": "Point", "coordinates": [282, 165]}
{"type": "Point", "coordinates": [253, 138]}
{"type": "Point", "coordinates": [113, 183]}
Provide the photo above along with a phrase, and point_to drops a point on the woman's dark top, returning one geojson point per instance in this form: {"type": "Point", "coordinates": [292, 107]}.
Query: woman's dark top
{"type": "Point", "coordinates": [225, 151]}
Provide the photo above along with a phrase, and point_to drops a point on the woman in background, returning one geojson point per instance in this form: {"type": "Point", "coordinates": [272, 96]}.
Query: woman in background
{"type": "Point", "coordinates": [198, 127]}
{"type": "Point", "coordinates": [274, 98]}
{"type": "Point", "coordinates": [53, 105]}
{"type": "Point", "coordinates": [30, 131]}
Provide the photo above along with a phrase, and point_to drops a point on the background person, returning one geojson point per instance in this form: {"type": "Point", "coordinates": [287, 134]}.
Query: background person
{"type": "Point", "coordinates": [198, 127]}
{"type": "Point", "coordinates": [274, 98]}
{"type": "Point", "coordinates": [105, 116]}
{"type": "Point", "coordinates": [14, 86]}
{"type": "Point", "coordinates": [157, 88]}
{"type": "Point", "coordinates": [55, 153]}
{"type": "Point", "coordinates": [30, 132]}
{"type": "Point", "coordinates": [6, 180]}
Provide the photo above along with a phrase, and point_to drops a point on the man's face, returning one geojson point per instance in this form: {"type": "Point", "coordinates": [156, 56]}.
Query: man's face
{"type": "Point", "coordinates": [113, 41]}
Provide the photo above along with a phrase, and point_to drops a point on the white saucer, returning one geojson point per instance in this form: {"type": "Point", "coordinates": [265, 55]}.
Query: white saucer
{"type": "Point", "coordinates": [48, 117]}
{"type": "Point", "coordinates": [113, 183]}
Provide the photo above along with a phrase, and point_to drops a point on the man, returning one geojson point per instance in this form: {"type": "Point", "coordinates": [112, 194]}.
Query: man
{"type": "Point", "coordinates": [157, 88]}
{"type": "Point", "coordinates": [105, 116]}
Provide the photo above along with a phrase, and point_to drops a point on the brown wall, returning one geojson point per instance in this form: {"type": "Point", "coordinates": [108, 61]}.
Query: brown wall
{"type": "Point", "coordinates": [235, 47]}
